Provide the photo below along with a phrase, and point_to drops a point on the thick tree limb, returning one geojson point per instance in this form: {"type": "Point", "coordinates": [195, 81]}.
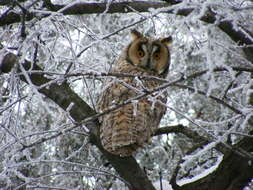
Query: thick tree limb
{"type": "Point", "coordinates": [10, 2]}
{"type": "Point", "coordinates": [117, 7]}
{"type": "Point", "coordinates": [62, 95]}
{"type": "Point", "coordinates": [233, 173]}
{"type": "Point", "coordinates": [85, 8]}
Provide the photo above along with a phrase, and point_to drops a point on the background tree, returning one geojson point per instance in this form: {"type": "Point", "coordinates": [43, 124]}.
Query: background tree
{"type": "Point", "coordinates": [54, 59]}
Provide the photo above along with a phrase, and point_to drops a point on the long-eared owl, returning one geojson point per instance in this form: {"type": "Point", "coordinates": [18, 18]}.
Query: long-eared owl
{"type": "Point", "coordinates": [130, 127]}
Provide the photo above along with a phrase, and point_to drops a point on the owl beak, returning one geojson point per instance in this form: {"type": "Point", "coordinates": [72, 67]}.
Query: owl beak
{"type": "Point", "coordinates": [149, 50]}
{"type": "Point", "coordinates": [148, 63]}
{"type": "Point", "coordinates": [147, 59]}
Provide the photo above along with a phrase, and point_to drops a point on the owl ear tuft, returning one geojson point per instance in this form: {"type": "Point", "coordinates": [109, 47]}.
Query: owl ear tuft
{"type": "Point", "coordinates": [135, 34]}
{"type": "Point", "coordinates": [167, 41]}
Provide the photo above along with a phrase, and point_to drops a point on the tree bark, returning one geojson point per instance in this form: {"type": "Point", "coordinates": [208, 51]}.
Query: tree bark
{"type": "Point", "coordinates": [84, 8]}
{"type": "Point", "coordinates": [233, 173]}
{"type": "Point", "coordinates": [63, 96]}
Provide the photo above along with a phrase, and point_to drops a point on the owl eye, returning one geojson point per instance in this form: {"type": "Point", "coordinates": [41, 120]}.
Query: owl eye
{"type": "Point", "coordinates": [140, 53]}
{"type": "Point", "coordinates": [156, 56]}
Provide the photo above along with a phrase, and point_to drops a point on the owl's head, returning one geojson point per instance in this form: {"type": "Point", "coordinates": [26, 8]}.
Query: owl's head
{"type": "Point", "coordinates": [149, 54]}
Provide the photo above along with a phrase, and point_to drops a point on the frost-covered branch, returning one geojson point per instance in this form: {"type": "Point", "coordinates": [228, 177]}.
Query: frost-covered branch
{"type": "Point", "coordinates": [83, 169]}
{"type": "Point", "coordinates": [9, 2]}
{"type": "Point", "coordinates": [62, 95]}
{"type": "Point", "coordinates": [92, 117]}
{"type": "Point", "coordinates": [77, 8]}
{"type": "Point", "coordinates": [209, 87]}
{"type": "Point", "coordinates": [9, 58]}
{"type": "Point", "coordinates": [165, 82]}
{"type": "Point", "coordinates": [236, 32]}
{"type": "Point", "coordinates": [220, 101]}
{"type": "Point", "coordinates": [115, 7]}
{"type": "Point", "coordinates": [122, 75]}
{"type": "Point", "coordinates": [221, 146]}
{"type": "Point", "coordinates": [223, 175]}
{"type": "Point", "coordinates": [181, 129]}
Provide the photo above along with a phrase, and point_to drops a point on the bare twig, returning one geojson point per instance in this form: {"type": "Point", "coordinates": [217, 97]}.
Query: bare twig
{"type": "Point", "coordinates": [181, 129]}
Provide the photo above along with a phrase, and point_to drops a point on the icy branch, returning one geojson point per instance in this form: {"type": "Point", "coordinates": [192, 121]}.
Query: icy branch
{"type": "Point", "coordinates": [64, 96]}
{"type": "Point", "coordinates": [84, 8]}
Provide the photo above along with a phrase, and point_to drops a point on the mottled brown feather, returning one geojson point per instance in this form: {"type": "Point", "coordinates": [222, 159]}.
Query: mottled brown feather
{"type": "Point", "coordinates": [123, 131]}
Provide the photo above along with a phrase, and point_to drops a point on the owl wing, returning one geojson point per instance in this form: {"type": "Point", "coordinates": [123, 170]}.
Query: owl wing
{"type": "Point", "coordinates": [116, 129]}
{"type": "Point", "coordinates": [130, 127]}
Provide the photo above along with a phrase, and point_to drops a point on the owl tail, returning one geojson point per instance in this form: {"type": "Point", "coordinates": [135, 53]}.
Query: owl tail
{"type": "Point", "coordinates": [126, 132]}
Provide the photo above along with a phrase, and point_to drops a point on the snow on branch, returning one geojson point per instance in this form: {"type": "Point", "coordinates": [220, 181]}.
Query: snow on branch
{"type": "Point", "coordinates": [64, 96]}
{"type": "Point", "coordinates": [91, 116]}
{"type": "Point", "coordinates": [181, 129]}
{"type": "Point", "coordinates": [77, 8]}
{"type": "Point", "coordinates": [9, 59]}
{"type": "Point", "coordinates": [237, 33]}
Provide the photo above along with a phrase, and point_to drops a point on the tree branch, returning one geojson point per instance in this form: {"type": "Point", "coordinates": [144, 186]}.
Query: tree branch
{"type": "Point", "coordinates": [233, 173]}
{"type": "Point", "coordinates": [228, 175]}
{"type": "Point", "coordinates": [181, 129]}
{"type": "Point", "coordinates": [222, 147]}
{"type": "Point", "coordinates": [86, 8]}
{"type": "Point", "coordinates": [166, 83]}
{"type": "Point", "coordinates": [237, 111]}
{"type": "Point", "coordinates": [62, 95]}
{"type": "Point", "coordinates": [238, 34]}
{"type": "Point", "coordinates": [117, 7]}
{"type": "Point", "coordinates": [9, 2]}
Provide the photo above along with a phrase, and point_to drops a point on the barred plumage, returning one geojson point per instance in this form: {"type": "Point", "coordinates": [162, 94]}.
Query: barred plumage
{"type": "Point", "coordinates": [130, 127]}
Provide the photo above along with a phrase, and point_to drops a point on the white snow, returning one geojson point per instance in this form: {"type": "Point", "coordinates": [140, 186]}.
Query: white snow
{"type": "Point", "coordinates": [165, 185]}
{"type": "Point", "coordinates": [201, 175]}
